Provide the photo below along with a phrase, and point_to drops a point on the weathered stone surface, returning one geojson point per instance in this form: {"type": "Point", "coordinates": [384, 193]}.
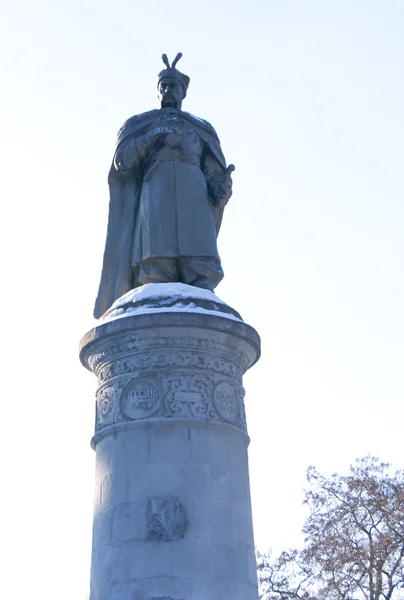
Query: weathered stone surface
{"type": "Point", "coordinates": [172, 513]}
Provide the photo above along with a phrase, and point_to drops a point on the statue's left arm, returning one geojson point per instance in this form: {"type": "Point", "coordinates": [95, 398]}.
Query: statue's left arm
{"type": "Point", "coordinates": [218, 179]}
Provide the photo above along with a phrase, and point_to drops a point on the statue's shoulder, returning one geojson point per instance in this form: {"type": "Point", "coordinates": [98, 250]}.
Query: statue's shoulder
{"type": "Point", "coordinates": [140, 120]}
{"type": "Point", "coordinates": [135, 125]}
{"type": "Point", "coordinates": [205, 125]}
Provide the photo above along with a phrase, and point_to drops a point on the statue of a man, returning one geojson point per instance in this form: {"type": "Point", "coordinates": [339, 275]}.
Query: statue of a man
{"type": "Point", "coordinates": [168, 187]}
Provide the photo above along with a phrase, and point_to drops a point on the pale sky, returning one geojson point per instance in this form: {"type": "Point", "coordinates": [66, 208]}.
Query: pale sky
{"type": "Point", "coordinates": [307, 98]}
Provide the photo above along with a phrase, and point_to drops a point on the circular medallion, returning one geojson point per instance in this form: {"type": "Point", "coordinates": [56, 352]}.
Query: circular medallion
{"type": "Point", "coordinates": [140, 399]}
{"type": "Point", "coordinates": [106, 404]}
{"type": "Point", "coordinates": [226, 402]}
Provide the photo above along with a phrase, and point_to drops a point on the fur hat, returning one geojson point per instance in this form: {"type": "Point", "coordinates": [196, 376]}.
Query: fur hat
{"type": "Point", "coordinates": [172, 72]}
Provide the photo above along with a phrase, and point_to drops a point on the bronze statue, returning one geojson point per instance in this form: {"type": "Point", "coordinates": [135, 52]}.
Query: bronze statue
{"type": "Point", "coordinates": [168, 187]}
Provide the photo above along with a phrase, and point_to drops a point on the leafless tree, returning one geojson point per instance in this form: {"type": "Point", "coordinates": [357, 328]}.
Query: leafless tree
{"type": "Point", "coordinates": [354, 539]}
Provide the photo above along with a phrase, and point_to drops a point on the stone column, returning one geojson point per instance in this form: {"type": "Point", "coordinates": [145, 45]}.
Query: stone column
{"type": "Point", "coordinates": [172, 517]}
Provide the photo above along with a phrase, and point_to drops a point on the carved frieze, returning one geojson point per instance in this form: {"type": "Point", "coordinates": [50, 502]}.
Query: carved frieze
{"type": "Point", "coordinates": [131, 344]}
{"type": "Point", "coordinates": [181, 395]}
{"type": "Point", "coordinates": [170, 358]}
{"type": "Point", "coordinates": [177, 376]}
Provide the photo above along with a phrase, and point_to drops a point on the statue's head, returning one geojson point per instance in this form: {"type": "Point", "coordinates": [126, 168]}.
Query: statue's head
{"type": "Point", "coordinates": [172, 84]}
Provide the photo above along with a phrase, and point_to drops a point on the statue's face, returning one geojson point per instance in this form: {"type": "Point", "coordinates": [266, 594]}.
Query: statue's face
{"type": "Point", "coordinates": [170, 93]}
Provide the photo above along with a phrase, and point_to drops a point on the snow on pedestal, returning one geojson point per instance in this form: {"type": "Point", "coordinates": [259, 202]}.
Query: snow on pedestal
{"type": "Point", "coordinates": [169, 297]}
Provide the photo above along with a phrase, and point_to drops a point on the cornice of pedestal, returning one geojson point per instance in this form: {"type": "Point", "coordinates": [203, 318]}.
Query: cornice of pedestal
{"type": "Point", "coordinates": [141, 323]}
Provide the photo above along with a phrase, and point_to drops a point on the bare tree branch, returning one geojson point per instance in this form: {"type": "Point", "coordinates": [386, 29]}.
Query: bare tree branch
{"type": "Point", "coordinates": [354, 539]}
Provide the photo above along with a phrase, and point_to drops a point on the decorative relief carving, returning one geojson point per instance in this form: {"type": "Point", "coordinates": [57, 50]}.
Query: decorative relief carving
{"type": "Point", "coordinates": [167, 395]}
{"type": "Point", "coordinates": [166, 519]}
{"type": "Point", "coordinates": [108, 404]}
{"type": "Point", "coordinates": [158, 379]}
{"type": "Point", "coordinates": [105, 405]}
{"type": "Point", "coordinates": [138, 362]}
{"type": "Point", "coordinates": [188, 395]}
{"type": "Point", "coordinates": [132, 344]}
{"type": "Point", "coordinates": [226, 402]}
{"type": "Point", "coordinates": [141, 399]}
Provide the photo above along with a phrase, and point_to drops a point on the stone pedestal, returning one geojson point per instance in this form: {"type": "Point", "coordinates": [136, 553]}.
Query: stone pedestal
{"type": "Point", "coordinates": [172, 516]}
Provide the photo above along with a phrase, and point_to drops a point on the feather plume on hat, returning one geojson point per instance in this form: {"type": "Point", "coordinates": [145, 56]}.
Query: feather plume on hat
{"type": "Point", "coordinates": [172, 72]}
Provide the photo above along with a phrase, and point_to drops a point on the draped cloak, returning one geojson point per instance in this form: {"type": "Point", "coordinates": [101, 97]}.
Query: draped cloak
{"type": "Point", "coordinates": [117, 275]}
